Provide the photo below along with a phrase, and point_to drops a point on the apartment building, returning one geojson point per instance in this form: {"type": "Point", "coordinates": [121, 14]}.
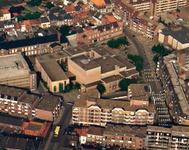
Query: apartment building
{"type": "Point", "coordinates": [144, 25]}
{"type": "Point", "coordinates": [157, 7]}
{"type": "Point", "coordinates": [89, 109]}
{"type": "Point", "coordinates": [51, 71]}
{"type": "Point", "coordinates": [16, 102]}
{"type": "Point", "coordinates": [122, 136]}
{"type": "Point", "coordinates": [167, 138]}
{"type": "Point", "coordinates": [5, 14]}
{"type": "Point", "coordinates": [176, 37]}
{"type": "Point", "coordinates": [103, 6]}
{"type": "Point", "coordinates": [33, 46]}
{"type": "Point", "coordinates": [140, 5]}
{"type": "Point", "coordinates": [48, 108]}
{"type": "Point", "coordinates": [90, 35]}
{"type": "Point", "coordinates": [14, 71]}
{"type": "Point", "coordinates": [176, 97]}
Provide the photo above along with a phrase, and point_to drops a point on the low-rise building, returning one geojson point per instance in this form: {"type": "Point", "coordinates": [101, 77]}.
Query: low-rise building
{"type": "Point", "coordinates": [48, 108]}
{"type": "Point", "coordinates": [89, 109]}
{"type": "Point", "coordinates": [176, 37]}
{"type": "Point", "coordinates": [5, 14]}
{"type": "Point", "coordinates": [103, 6]}
{"type": "Point", "coordinates": [33, 46]}
{"type": "Point", "coordinates": [14, 71]}
{"type": "Point", "coordinates": [90, 35]}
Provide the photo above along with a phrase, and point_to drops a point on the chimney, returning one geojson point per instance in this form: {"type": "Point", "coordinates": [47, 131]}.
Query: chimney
{"type": "Point", "coordinates": [176, 28]}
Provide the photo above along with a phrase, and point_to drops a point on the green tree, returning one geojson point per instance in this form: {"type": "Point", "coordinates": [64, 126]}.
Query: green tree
{"type": "Point", "coordinates": [137, 61]}
{"type": "Point", "coordinates": [28, 16]}
{"type": "Point", "coordinates": [101, 88]}
{"type": "Point", "coordinates": [64, 29]}
{"type": "Point", "coordinates": [49, 5]}
{"type": "Point", "coordinates": [36, 15]}
{"type": "Point", "coordinates": [124, 83]}
{"type": "Point", "coordinates": [155, 59]}
{"type": "Point", "coordinates": [34, 2]}
{"type": "Point", "coordinates": [67, 88]}
{"type": "Point", "coordinates": [77, 86]}
{"type": "Point", "coordinates": [115, 43]}
{"type": "Point", "coordinates": [54, 88]}
{"type": "Point", "coordinates": [20, 18]}
{"type": "Point", "coordinates": [122, 40]}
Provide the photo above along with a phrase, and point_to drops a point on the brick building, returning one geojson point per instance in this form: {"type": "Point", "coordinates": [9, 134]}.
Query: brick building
{"type": "Point", "coordinates": [33, 46]}
{"type": "Point", "coordinates": [90, 35]}
{"type": "Point", "coordinates": [48, 108]}
{"type": "Point", "coordinates": [89, 109]}
{"type": "Point", "coordinates": [176, 97]}
{"type": "Point", "coordinates": [14, 71]}
{"type": "Point", "coordinates": [103, 6]}
{"type": "Point", "coordinates": [176, 37]}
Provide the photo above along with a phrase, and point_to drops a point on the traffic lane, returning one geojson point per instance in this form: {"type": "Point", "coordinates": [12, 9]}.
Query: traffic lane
{"type": "Point", "coordinates": [64, 122]}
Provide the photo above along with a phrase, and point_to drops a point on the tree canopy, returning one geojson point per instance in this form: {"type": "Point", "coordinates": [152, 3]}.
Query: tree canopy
{"type": "Point", "coordinates": [34, 2]}
{"type": "Point", "coordinates": [36, 15]}
{"type": "Point", "coordinates": [137, 60]}
{"type": "Point", "coordinates": [64, 29]}
{"type": "Point", "coordinates": [28, 16]}
{"type": "Point", "coordinates": [124, 83]}
{"type": "Point", "coordinates": [115, 43]}
{"type": "Point", "coordinates": [160, 49]}
{"type": "Point", "coordinates": [19, 18]}
{"type": "Point", "coordinates": [100, 87]}
{"type": "Point", "coordinates": [49, 5]}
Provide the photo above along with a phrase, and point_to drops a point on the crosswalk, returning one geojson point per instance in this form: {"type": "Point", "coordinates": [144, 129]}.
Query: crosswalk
{"type": "Point", "coordinates": [151, 75]}
{"type": "Point", "coordinates": [162, 112]}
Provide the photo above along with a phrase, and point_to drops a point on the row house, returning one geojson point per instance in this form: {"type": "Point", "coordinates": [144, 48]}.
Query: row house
{"type": "Point", "coordinates": [175, 137]}
{"type": "Point", "coordinates": [111, 135]}
{"type": "Point", "coordinates": [176, 97]}
{"type": "Point", "coordinates": [33, 46]}
{"type": "Point", "coordinates": [89, 109]}
{"type": "Point", "coordinates": [144, 25]}
{"type": "Point", "coordinates": [5, 14]}
{"type": "Point", "coordinates": [140, 5]}
{"type": "Point", "coordinates": [103, 6]}
{"type": "Point", "coordinates": [90, 35]}
{"type": "Point", "coordinates": [17, 102]}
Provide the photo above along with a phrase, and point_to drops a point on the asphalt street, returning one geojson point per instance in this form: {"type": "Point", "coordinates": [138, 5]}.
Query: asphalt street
{"type": "Point", "coordinates": [63, 123]}
{"type": "Point", "coordinates": [141, 51]}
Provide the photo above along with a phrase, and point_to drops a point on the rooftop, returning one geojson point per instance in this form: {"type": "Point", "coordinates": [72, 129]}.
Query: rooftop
{"type": "Point", "coordinates": [75, 51]}
{"type": "Point", "coordinates": [10, 91]}
{"type": "Point", "coordinates": [158, 128]}
{"type": "Point", "coordinates": [95, 130]}
{"type": "Point", "coordinates": [53, 70]}
{"type": "Point", "coordinates": [35, 127]}
{"type": "Point", "coordinates": [125, 130]}
{"type": "Point", "coordinates": [48, 102]}
{"type": "Point", "coordinates": [5, 119]}
{"type": "Point", "coordinates": [52, 56]}
{"type": "Point", "coordinates": [102, 51]}
{"type": "Point", "coordinates": [84, 62]}
{"type": "Point", "coordinates": [13, 66]}
{"type": "Point", "coordinates": [112, 78]}
{"type": "Point", "coordinates": [125, 62]}
{"type": "Point", "coordinates": [109, 103]}
{"type": "Point", "coordinates": [108, 63]}
{"type": "Point", "coordinates": [180, 35]}
{"type": "Point", "coordinates": [28, 98]}
{"type": "Point", "coordinates": [98, 2]}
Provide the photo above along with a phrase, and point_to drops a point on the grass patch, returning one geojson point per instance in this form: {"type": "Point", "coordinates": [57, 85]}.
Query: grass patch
{"type": "Point", "coordinates": [27, 9]}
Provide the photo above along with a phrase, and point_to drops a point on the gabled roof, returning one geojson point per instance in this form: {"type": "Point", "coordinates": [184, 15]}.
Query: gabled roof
{"type": "Point", "coordinates": [69, 8]}
{"type": "Point", "coordinates": [5, 11]}
{"type": "Point", "coordinates": [44, 19]}
{"type": "Point", "coordinates": [98, 2]}
{"type": "Point", "coordinates": [110, 18]}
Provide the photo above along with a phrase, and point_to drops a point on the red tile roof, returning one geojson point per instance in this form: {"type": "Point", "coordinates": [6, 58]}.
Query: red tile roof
{"type": "Point", "coordinates": [27, 24]}
{"type": "Point", "coordinates": [35, 22]}
{"type": "Point", "coordinates": [85, 7]}
{"type": "Point", "coordinates": [81, 132]}
{"type": "Point", "coordinates": [17, 26]}
{"type": "Point", "coordinates": [5, 11]}
{"type": "Point", "coordinates": [98, 2]}
{"type": "Point", "coordinates": [110, 18]}
{"type": "Point", "coordinates": [69, 8]}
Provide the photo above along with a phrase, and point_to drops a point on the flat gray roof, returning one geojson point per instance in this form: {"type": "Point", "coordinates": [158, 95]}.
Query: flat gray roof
{"type": "Point", "coordinates": [74, 51]}
{"type": "Point", "coordinates": [54, 71]}
{"type": "Point", "coordinates": [125, 62]}
{"type": "Point", "coordinates": [102, 51]}
{"type": "Point", "coordinates": [180, 35]}
{"type": "Point", "coordinates": [10, 91]}
{"type": "Point", "coordinates": [48, 102]}
{"type": "Point", "coordinates": [84, 62]}
{"type": "Point", "coordinates": [52, 56]}
{"type": "Point", "coordinates": [108, 63]}
{"type": "Point", "coordinates": [13, 66]}
{"type": "Point", "coordinates": [28, 98]}
{"type": "Point", "coordinates": [112, 78]}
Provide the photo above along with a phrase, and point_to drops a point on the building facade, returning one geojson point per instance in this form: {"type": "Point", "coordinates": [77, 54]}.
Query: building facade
{"type": "Point", "coordinates": [89, 109]}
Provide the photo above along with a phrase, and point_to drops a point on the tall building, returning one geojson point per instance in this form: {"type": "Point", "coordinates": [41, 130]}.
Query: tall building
{"type": "Point", "coordinates": [89, 109]}
{"type": "Point", "coordinates": [14, 71]}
